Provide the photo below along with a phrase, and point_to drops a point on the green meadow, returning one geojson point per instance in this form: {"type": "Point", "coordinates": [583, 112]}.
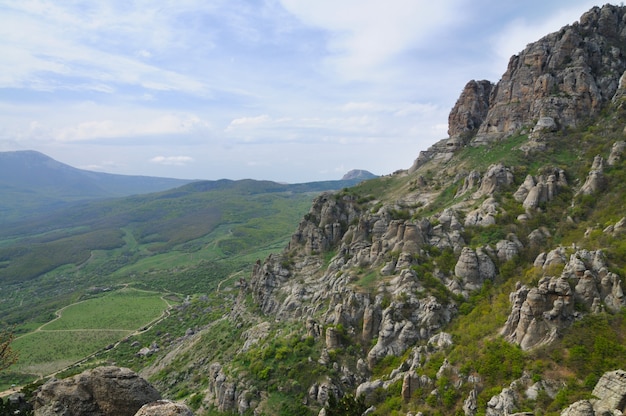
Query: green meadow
{"type": "Point", "coordinates": [82, 329]}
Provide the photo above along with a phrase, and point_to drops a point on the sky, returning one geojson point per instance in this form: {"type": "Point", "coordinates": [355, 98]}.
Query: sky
{"type": "Point", "coordinates": [284, 90]}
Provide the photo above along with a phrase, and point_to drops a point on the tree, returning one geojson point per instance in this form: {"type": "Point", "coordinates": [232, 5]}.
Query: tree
{"type": "Point", "coordinates": [348, 405]}
{"type": "Point", "coordinates": [8, 357]}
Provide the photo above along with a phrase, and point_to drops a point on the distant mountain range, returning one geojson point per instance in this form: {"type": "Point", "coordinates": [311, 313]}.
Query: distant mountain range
{"type": "Point", "coordinates": [31, 183]}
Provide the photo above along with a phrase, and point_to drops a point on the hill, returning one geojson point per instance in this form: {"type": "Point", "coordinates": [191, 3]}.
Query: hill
{"type": "Point", "coordinates": [204, 230]}
{"type": "Point", "coordinates": [487, 279]}
{"type": "Point", "coordinates": [31, 182]}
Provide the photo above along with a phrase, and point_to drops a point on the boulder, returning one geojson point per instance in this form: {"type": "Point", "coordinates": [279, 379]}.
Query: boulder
{"type": "Point", "coordinates": [611, 392]}
{"type": "Point", "coordinates": [496, 178]}
{"type": "Point", "coordinates": [102, 391]}
{"type": "Point", "coordinates": [164, 408]}
{"type": "Point", "coordinates": [579, 408]}
{"type": "Point", "coordinates": [474, 268]}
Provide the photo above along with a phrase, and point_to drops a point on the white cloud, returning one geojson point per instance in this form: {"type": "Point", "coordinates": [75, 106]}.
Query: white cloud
{"type": "Point", "coordinates": [43, 40]}
{"type": "Point", "coordinates": [247, 122]}
{"type": "Point", "coordinates": [366, 34]}
{"type": "Point", "coordinates": [166, 124]}
{"type": "Point", "coordinates": [172, 160]}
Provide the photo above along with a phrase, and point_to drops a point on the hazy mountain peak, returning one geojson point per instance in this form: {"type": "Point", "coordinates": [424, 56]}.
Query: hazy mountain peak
{"type": "Point", "coordinates": [358, 174]}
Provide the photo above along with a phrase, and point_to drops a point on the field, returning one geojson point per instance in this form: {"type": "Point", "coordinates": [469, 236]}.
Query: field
{"type": "Point", "coordinates": [82, 329]}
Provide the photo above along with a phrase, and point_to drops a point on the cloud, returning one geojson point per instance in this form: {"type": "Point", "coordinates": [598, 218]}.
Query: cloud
{"type": "Point", "coordinates": [165, 124]}
{"type": "Point", "coordinates": [247, 122]}
{"type": "Point", "coordinates": [364, 35]}
{"type": "Point", "coordinates": [47, 45]}
{"type": "Point", "coordinates": [172, 160]}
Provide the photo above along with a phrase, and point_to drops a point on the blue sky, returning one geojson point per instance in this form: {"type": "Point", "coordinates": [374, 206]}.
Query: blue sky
{"type": "Point", "coordinates": [285, 90]}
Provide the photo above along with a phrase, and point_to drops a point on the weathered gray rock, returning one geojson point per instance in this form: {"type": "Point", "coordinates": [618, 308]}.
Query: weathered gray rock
{"type": "Point", "coordinates": [221, 392]}
{"type": "Point", "coordinates": [579, 408]}
{"type": "Point", "coordinates": [539, 314]}
{"type": "Point", "coordinates": [164, 408]}
{"type": "Point", "coordinates": [508, 249]}
{"type": "Point", "coordinates": [567, 76]}
{"type": "Point", "coordinates": [102, 391]}
{"type": "Point", "coordinates": [596, 181]}
{"type": "Point", "coordinates": [470, 110]}
{"type": "Point", "coordinates": [496, 178]}
{"type": "Point", "coordinates": [544, 188]}
{"type": "Point", "coordinates": [617, 153]}
{"type": "Point", "coordinates": [470, 183]}
{"type": "Point", "coordinates": [470, 404]}
{"type": "Point", "coordinates": [544, 125]}
{"type": "Point", "coordinates": [484, 215]}
{"type": "Point", "coordinates": [611, 392]}
{"type": "Point", "coordinates": [502, 404]}
{"type": "Point", "coordinates": [474, 268]}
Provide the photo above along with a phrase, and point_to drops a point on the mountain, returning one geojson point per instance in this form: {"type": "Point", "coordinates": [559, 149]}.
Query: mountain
{"type": "Point", "coordinates": [31, 181]}
{"type": "Point", "coordinates": [358, 174]}
{"type": "Point", "coordinates": [487, 279]}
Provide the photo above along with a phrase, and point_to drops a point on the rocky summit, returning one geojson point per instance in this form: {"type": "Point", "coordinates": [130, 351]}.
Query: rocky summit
{"type": "Point", "coordinates": [487, 279]}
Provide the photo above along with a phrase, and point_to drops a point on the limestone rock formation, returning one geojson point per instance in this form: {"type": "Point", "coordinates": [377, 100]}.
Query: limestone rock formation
{"type": "Point", "coordinates": [617, 153]}
{"type": "Point", "coordinates": [544, 188]}
{"type": "Point", "coordinates": [221, 393]}
{"type": "Point", "coordinates": [566, 76]}
{"type": "Point", "coordinates": [495, 179]}
{"type": "Point", "coordinates": [473, 268]}
{"type": "Point", "coordinates": [538, 314]}
{"type": "Point", "coordinates": [470, 109]}
{"type": "Point", "coordinates": [164, 408]}
{"type": "Point", "coordinates": [103, 391]}
{"type": "Point", "coordinates": [610, 392]}
{"type": "Point", "coordinates": [595, 180]}
{"type": "Point", "coordinates": [579, 408]}
{"type": "Point", "coordinates": [501, 404]}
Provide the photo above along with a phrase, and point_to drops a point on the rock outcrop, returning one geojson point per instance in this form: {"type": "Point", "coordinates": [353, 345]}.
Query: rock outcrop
{"type": "Point", "coordinates": [617, 153]}
{"type": "Point", "coordinates": [566, 76]}
{"type": "Point", "coordinates": [470, 110]}
{"type": "Point", "coordinates": [535, 191]}
{"type": "Point", "coordinates": [595, 180]}
{"type": "Point", "coordinates": [103, 391]}
{"type": "Point", "coordinates": [164, 408]}
{"type": "Point", "coordinates": [610, 392]}
{"type": "Point", "coordinates": [538, 314]}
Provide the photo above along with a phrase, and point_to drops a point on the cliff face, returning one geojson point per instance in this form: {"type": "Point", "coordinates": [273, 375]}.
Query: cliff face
{"type": "Point", "coordinates": [567, 76]}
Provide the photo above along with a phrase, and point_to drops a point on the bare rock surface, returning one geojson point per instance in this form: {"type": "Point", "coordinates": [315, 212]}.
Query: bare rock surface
{"type": "Point", "coordinates": [103, 391]}
{"type": "Point", "coordinates": [164, 408]}
{"type": "Point", "coordinates": [539, 313]}
{"type": "Point", "coordinates": [611, 392]}
{"type": "Point", "coordinates": [565, 76]}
